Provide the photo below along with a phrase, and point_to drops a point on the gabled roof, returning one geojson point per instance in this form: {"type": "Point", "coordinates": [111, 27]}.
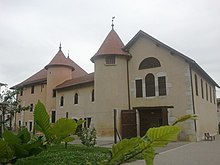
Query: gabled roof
{"type": "Point", "coordinates": [39, 77]}
{"type": "Point", "coordinates": [60, 60]}
{"type": "Point", "coordinates": [192, 63]}
{"type": "Point", "coordinates": [112, 45]}
{"type": "Point", "coordinates": [76, 81]}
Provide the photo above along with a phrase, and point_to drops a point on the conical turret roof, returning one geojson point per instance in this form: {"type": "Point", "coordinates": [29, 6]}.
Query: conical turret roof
{"type": "Point", "coordinates": [59, 60]}
{"type": "Point", "coordinates": [112, 45]}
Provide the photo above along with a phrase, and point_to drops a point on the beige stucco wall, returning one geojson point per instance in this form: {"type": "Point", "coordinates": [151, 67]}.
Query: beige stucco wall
{"type": "Point", "coordinates": [84, 108]}
{"type": "Point", "coordinates": [55, 76]}
{"type": "Point", "coordinates": [205, 109]}
{"type": "Point", "coordinates": [28, 98]}
{"type": "Point", "coordinates": [178, 82]}
{"type": "Point", "coordinates": [111, 92]}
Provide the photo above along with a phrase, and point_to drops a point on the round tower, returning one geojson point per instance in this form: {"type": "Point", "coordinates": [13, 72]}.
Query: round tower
{"type": "Point", "coordinates": [111, 82]}
{"type": "Point", "coordinates": [58, 70]}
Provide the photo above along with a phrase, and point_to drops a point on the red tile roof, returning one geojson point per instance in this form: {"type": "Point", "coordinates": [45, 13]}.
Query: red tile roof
{"type": "Point", "coordinates": [59, 60]}
{"type": "Point", "coordinates": [39, 77]}
{"type": "Point", "coordinates": [112, 45]}
{"type": "Point", "coordinates": [77, 81]}
{"type": "Point", "coordinates": [78, 72]}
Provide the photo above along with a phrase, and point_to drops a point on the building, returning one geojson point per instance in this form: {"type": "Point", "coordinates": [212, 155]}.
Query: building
{"type": "Point", "coordinates": [218, 110]}
{"type": "Point", "coordinates": [148, 84]}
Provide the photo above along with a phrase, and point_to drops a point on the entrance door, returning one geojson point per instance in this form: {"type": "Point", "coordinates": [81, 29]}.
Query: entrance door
{"type": "Point", "coordinates": [129, 123]}
{"type": "Point", "coordinates": [153, 117]}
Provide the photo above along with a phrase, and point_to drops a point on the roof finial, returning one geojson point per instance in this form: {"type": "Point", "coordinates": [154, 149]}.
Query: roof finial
{"type": "Point", "coordinates": [60, 46]}
{"type": "Point", "coordinates": [68, 54]}
{"type": "Point", "coordinates": [113, 22]}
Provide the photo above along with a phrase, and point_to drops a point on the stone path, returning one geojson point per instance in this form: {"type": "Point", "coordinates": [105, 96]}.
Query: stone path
{"type": "Point", "coordinates": [197, 153]}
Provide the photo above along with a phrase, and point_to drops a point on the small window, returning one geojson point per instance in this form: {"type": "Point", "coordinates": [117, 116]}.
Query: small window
{"type": "Point", "coordinates": [31, 107]}
{"type": "Point", "coordinates": [87, 122]}
{"type": "Point", "coordinates": [61, 101]}
{"type": "Point", "coordinates": [21, 92]}
{"type": "Point", "coordinates": [139, 92]}
{"type": "Point", "coordinates": [53, 116]}
{"type": "Point", "coordinates": [110, 60]}
{"type": "Point", "coordinates": [214, 98]}
{"type": "Point", "coordinates": [162, 86]}
{"type": "Point", "coordinates": [19, 108]}
{"type": "Point", "coordinates": [93, 96]}
{"type": "Point", "coordinates": [196, 85]}
{"type": "Point", "coordinates": [30, 126]}
{"type": "Point", "coordinates": [54, 93]}
{"type": "Point", "coordinates": [76, 98]}
{"type": "Point", "coordinates": [210, 90]}
{"type": "Point", "coordinates": [42, 86]}
{"type": "Point", "coordinates": [150, 85]}
{"type": "Point", "coordinates": [32, 89]}
{"type": "Point", "coordinates": [149, 62]}
{"type": "Point", "coordinates": [202, 89]}
{"type": "Point", "coordinates": [19, 123]}
{"type": "Point", "coordinates": [207, 94]}
{"type": "Point", "coordinates": [67, 115]}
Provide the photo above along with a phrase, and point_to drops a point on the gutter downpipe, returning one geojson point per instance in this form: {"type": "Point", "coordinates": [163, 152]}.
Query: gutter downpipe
{"type": "Point", "coordinates": [128, 84]}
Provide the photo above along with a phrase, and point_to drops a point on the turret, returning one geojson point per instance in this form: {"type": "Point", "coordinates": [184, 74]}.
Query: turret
{"type": "Point", "coordinates": [111, 81]}
{"type": "Point", "coordinates": [58, 70]}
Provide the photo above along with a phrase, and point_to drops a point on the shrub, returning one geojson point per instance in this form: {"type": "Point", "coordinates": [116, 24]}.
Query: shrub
{"type": "Point", "coordinates": [88, 136]}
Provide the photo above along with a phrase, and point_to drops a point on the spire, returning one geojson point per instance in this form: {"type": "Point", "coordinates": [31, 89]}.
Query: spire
{"type": "Point", "coordinates": [112, 45]}
{"type": "Point", "coordinates": [113, 22]}
{"type": "Point", "coordinates": [60, 46]}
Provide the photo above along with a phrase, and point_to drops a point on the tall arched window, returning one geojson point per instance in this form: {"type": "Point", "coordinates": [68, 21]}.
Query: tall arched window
{"type": "Point", "coordinates": [93, 96]}
{"type": "Point", "coordinates": [61, 101]}
{"type": "Point", "coordinates": [150, 85]}
{"type": "Point", "coordinates": [149, 62]}
{"type": "Point", "coordinates": [76, 98]}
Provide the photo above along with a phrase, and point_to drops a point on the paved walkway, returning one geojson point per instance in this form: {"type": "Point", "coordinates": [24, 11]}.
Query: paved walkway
{"type": "Point", "coordinates": [197, 153]}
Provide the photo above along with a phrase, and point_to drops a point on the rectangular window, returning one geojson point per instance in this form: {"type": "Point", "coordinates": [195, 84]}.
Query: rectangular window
{"type": "Point", "coordinates": [42, 86]}
{"type": "Point", "coordinates": [87, 122]}
{"type": "Point", "coordinates": [54, 93]}
{"type": "Point", "coordinates": [30, 126]}
{"type": "Point", "coordinates": [67, 115]}
{"type": "Point", "coordinates": [214, 96]}
{"type": "Point", "coordinates": [210, 90]}
{"type": "Point", "coordinates": [21, 92]}
{"type": "Point", "coordinates": [139, 92]}
{"type": "Point", "coordinates": [202, 89]}
{"type": "Point", "coordinates": [207, 94]}
{"type": "Point", "coordinates": [32, 89]}
{"type": "Point", "coordinates": [162, 86]}
{"type": "Point", "coordinates": [53, 116]}
{"type": "Point", "coordinates": [196, 85]}
{"type": "Point", "coordinates": [31, 107]}
{"type": "Point", "coordinates": [19, 123]}
{"type": "Point", "coordinates": [110, 60]}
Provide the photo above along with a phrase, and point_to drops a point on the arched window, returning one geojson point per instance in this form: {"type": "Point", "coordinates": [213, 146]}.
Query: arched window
{"type": "Point", "coordinates": [93, 96]}
{"type": "Point", "coordinates": [76, 98]}
{"type": "Point", "coordinates": [61, 101]}
{"type": "Point", "coordinates": [150, 85]}
{"type": "Point", "coordinates": [149, 62]}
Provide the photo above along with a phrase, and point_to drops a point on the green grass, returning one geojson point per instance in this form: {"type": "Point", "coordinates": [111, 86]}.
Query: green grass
{"type": "Point", "coordinates": [73, 155]}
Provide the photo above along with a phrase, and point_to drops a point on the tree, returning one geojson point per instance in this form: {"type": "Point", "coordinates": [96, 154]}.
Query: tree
{"type": "Point", "coordinates": [9, 106]}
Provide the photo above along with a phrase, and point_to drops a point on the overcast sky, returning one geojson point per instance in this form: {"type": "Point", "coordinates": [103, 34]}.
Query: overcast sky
{"type": "Point", "coordinates": [31, 30]}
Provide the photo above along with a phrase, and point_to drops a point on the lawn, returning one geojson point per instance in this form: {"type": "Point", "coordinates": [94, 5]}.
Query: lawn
{"type": "Point", "coordinates": [73, 155]}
